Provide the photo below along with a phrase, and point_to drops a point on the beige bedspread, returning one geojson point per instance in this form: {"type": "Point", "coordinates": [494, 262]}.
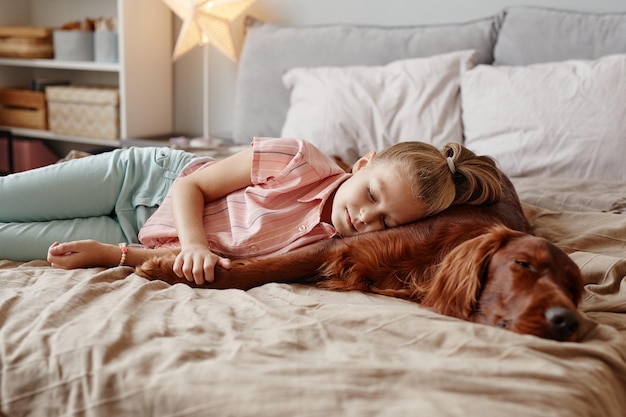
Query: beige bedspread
{"type": "Point", "coordinates": [105, 342]}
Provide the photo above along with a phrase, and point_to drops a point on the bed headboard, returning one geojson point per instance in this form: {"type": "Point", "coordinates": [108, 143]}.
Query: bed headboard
{"type": "Point", "coordinates": [530, 86]}
{"type": "Point", "coordinates": [261, 99]}
{"type": "Point", "coordinates": [223, 72]}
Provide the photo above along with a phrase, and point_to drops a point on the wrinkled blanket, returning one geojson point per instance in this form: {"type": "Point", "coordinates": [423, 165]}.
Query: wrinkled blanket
{"type": "Point", "coordinates": [105, 342]}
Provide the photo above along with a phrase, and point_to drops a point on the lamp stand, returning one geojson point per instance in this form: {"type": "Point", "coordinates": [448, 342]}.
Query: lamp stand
{"type": "Point", "coordinates": [206, 91]}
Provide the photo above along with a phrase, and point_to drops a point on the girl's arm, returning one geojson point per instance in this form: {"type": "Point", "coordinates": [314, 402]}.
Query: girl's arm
{"type": "Point", "coordinates": [196, 262]}
{"type": "Point", "coordinates": [89, 253]}
{"type": "Point", "coordinates": [189, 194]}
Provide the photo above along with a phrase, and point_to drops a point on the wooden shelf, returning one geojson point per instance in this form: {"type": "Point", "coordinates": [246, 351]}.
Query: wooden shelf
{"type": "Point", "coordinates": [58, 64]}
{"type": "Point", "coordinates": [143, 74]}
{"type": "Point", "coordinates": [48, 135]}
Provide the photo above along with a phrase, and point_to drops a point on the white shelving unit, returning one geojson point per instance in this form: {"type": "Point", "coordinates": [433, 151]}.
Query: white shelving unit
{"type": "Point", "coordinates": [143, 73]}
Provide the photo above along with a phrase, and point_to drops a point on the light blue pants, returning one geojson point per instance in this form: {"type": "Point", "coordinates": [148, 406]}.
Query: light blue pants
{"type": "Point", "coordinates": [106, 197]}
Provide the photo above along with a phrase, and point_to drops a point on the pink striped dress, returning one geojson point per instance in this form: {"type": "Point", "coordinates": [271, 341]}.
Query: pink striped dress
{"type": "Point", "coordinates": [292, 180]}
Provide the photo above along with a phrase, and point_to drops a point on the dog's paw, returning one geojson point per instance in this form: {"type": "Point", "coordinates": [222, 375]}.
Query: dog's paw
{"type": "Point", "coordinates": [158, 267]}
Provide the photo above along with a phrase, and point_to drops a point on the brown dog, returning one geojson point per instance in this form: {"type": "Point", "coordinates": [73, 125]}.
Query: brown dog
{"type": "Point", "coordinates": [476, 263]}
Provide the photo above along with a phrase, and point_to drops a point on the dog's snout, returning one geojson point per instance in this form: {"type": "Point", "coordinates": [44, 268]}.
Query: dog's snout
{"type": "Point", "coordinates": [563, 320]}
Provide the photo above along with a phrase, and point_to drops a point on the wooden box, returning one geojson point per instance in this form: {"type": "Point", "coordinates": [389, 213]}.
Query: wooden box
{"type": "Point", "coordinates": [84, 111]}
{"type": "Point", "coordinates": [26, 42]}
{"type": "Point", "coordinates": [23, 108]}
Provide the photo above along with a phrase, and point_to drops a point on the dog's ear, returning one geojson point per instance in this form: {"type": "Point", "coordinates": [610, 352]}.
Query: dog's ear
{"type": "Point", "coordinates": [456, 287]}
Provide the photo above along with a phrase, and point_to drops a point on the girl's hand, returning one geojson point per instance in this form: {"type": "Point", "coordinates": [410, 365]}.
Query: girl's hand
{"type": "Point", "coordinates": [82, 254]}
{"type": "Point", "coordinates": [197, 263]}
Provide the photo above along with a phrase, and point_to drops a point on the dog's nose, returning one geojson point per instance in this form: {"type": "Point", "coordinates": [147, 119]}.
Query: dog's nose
{"type": "Point", "coordinates": [563, 320]}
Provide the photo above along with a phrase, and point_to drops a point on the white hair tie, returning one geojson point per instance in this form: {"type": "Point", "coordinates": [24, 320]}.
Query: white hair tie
{"type": "Point", "coordinates": [451, 164]}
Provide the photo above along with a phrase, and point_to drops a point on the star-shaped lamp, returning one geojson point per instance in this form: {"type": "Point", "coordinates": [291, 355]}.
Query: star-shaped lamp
{"type": "Point", "coordinates": [207, 21]}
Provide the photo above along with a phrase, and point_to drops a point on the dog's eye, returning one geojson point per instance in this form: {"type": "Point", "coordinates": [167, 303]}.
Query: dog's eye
{"type": "Point", "coordinates": [524, 264]}
{"type": "Point", "coordinates": [502, 324]}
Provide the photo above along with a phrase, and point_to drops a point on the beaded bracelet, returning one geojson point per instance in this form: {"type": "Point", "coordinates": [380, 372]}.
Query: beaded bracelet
{"type": "Point", "coordinates": [124, 250]}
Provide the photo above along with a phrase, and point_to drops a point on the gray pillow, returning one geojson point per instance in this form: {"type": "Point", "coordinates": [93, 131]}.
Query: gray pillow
{"type": "Point", "coordinates": [261, 100]}
{"type": "Point", "coordinates": [530, 35]}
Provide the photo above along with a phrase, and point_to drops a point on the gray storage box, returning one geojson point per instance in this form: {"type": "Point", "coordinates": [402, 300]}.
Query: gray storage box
{"type": "Point", "coordinates": [73, 45]}
{"type": "Point", "coordinates": [105, 46]}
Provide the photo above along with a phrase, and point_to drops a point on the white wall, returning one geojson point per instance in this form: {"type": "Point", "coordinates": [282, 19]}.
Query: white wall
{"type": "Point", "coordinates": [188, 70]}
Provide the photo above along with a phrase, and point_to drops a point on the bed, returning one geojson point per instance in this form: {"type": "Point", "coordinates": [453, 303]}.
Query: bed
{"type": "Point", "coordinates": [106, 342]}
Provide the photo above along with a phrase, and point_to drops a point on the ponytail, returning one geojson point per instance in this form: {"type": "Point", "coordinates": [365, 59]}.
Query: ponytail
{"type": "Point", "coordinates": [476, 178]}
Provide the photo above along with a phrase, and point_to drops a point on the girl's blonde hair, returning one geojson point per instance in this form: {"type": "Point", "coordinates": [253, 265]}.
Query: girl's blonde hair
{"type": "Point", "coordinates": [439, 179]}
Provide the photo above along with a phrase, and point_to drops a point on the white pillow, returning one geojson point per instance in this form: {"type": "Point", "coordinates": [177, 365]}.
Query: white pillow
{"type": "Point", "coordinates": [562, 119]}
{"type": "Point", "coordinates": [349, 111]}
